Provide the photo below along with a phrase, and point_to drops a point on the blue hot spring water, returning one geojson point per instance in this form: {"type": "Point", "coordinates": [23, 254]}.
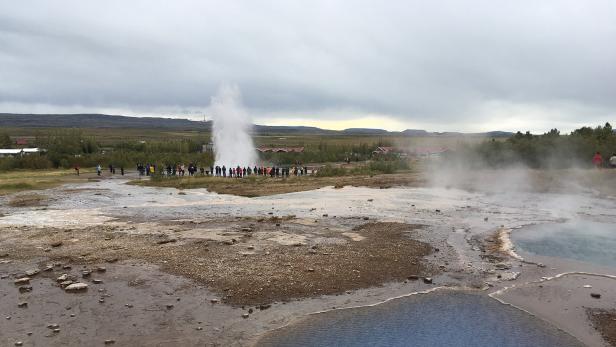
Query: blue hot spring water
{"type": "Point", "coordinates": [435, 319]}
{"type": "Point", "coordinates": [585, 241]}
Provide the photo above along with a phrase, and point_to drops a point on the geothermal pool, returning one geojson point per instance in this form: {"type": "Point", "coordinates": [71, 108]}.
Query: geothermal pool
{"type": "Point", "coordinates": [580, 240]}
{"type": "Point", "coordinates": [434, 319]}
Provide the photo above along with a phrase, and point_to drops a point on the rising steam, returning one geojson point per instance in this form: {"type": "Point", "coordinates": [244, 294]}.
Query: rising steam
{"type": "Point", "coordinates": [233, 145]}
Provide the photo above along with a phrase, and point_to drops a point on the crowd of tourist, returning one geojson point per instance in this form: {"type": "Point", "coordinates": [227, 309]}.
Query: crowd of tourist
{"type": "Point", "coordinates": [220, 171]}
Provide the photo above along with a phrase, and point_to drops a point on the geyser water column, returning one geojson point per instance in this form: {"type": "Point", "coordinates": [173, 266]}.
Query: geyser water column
{"type": "Point", "coordinates": [233, 145]}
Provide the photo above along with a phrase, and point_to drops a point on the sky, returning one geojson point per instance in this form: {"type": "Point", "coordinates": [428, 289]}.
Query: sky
{"type": "Point", "coordinates": [443, 65]}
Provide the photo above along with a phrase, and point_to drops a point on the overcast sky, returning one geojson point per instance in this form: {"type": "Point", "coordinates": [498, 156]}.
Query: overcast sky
{"type": "Point", "coordinates": [436, 65]}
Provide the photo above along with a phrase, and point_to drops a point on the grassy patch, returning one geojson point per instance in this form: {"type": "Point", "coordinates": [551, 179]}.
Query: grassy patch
{"type": "Point", "coordinates": [23, 180]}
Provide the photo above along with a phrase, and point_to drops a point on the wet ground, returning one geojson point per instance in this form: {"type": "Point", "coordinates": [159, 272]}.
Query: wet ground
{"type": "Point", "coordinates": [242, 266]}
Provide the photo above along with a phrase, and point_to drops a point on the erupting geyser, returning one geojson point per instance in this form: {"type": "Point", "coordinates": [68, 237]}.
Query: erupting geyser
{"type": "Point", "coordinates": [233, 145]}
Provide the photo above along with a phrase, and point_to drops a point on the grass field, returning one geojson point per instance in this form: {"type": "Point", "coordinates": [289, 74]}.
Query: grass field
{"type": "Point", "coordinates": [23, 180]}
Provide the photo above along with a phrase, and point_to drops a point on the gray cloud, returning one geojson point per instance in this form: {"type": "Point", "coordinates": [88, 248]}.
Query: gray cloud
{"type": "Point", "coordinates": [444, 65]}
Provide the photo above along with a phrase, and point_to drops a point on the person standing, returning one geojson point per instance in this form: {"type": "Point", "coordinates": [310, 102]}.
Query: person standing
{"type": "Point", "coordinates": [77, 169]}
{"type": "Point", "coordinates": [597, 160]}
{"type": "Point", "coordinates": [122, 170]}
{"type": "Point", "coordinates": [98, 169]}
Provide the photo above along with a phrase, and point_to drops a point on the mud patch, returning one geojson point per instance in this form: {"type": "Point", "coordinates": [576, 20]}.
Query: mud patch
{"type": "Point", "coordinates": [605, 322]}
{"type": "Point", "coordinates": [27, 200]}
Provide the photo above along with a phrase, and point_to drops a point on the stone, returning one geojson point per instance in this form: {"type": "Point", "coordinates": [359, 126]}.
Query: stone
{"type": "Point", "coordinates": [66, 283]}
{"type": "Point", "coordinates": [97, 281]}
{"type": "Point", "coordinates": [25, 289]}
{"type": "Point", "coordinates": [56, 330]}
{"type": "Point", "coordinates": [23, 280]}
{"type": "Point", "coordinates": [264, 306]}
{"type": "Point", "coordinates": [214, 301]}
{"type": "Point", "coordinates": [19, 343]}
{"type": "Point", "coordinates": [595, 295]}
{"type": "Point", "coordinates": [76, 287]}
{"type": "Point", "coordinates": [53, 326]}
{"type": "Point", "coordinates": [109, 342]}
{"type": "Point", "coordinates": [169, 306]}
{"type": "Point", "coordinates": [366, 218]}
{"type": "Point", "coordinates": [101, 269]}
{"type": "Point", "coordinates": [32, 272]}
{"type": "Point", "coordinates": [56, 244]}
{"type": "Point", "coordinates": [129, 305]}
{"type": "Point", "coordinates": [427, 280]}
{"type": "Point", "coordinates": [245, 315]}
{"type": "Point", "coordinates": [48, 268]}
{"type": "Point", "coordinates": [62, 278]}
{"type": "Point", "coordinates": [587, 286]}
{"type": "Point", "coordinates": [413, 278]}
{"type": "Point", "coordinates": [67, 267]}
{"type": "Point", "coordinates": [163, 241]}
{"type": "Point", "coordinates": [325, 215]}
{"type": "Point", "coordinates": [22, 304]}
{"type": "Point", "coordinates": [250, 310]}
{"type": "Point", "coordinates": [86, 273]}
{"type": "Point", "coordinates": [310, 270]}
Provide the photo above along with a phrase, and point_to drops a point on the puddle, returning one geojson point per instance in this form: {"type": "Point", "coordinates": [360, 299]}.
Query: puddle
{"type": "Point", "coordinates": [586, 241]}
{"type": "Point", "coordinates": [435, 319]}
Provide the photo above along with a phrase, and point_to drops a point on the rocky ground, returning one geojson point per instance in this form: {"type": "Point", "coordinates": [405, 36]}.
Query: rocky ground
{"type": "Point", "coordinates": [605, 322]}
{"type": "Point", "coordinates": [165, 266]}
{"type": "Point", "coordinates": [251, 263]}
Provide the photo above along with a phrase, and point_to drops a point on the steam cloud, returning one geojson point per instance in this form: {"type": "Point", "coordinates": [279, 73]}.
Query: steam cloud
{"type": "Point", "coordinates": [231, 128]}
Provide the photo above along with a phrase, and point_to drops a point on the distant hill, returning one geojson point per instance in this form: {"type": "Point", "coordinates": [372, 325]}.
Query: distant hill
{"type": "Point", "coordinates": [110, 121]}
{"type": "Point", "coordinates": [364, 131]}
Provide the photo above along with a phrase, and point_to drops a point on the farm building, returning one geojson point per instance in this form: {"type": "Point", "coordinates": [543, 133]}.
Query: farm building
{"type": "Point", "coordinates": [19, 152]}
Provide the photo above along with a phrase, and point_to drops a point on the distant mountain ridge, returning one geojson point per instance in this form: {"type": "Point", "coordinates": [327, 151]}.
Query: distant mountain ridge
{"type": "Point", "coordinates": [94, 120]}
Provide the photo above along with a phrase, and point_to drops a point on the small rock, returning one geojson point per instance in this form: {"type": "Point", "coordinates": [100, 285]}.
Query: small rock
{"type": "Point", "coordinates": [23, 280]}
{"type": "Point", "coordinates": [366, 218]}
{"type": "Point", "coordinates": [245, 315]}
{"type": "Point", "coordinates": [56, 244]}
{"type": "Point", "coordinates": [86, 273]}
{"type": "Point", "coordinates": [250, 310]}
{"type": "Point", "coordinates": [109, 342]}
{"type": "Point", "coordinates": [48, 268]}
{"type": "Point", "coordinates": [587, 286]}
{"type": "Point", "coordinates": [22, 304]}
{"type": "Point", "coordinates": [370, 200]}
{"type": "Point", "coordinates": [76, 287]}
{"type": "Point", "coordinates": [250, 247]}
{"type": "Point", "coordinates": [485, 219]}
{"type": "Point", "coordinates": [214, 301]}
{"type": "Point", "coordinates": [62, 278]}
{"type": "Point", "coordinates": [66, 267]}
{"type": "Point", "coordinates": [19, 343]}
{"type": "Point", "coordinates": [101, 269]}
{"type": "Point", "coordinates": [264, 306]}
{"type": "Point", "coordinates": [97, 281]}
{"type": "Point", "coordinates": [111, 260]}
{"type": "Point", "coordinates": [53, 326]}
{"type": "Point", "coordinates": [595, 295]}
{"type": "Point", "coordinates": [325, 215]}
{"type": "Point", "coordinates": [413, 278]}
{"type": "Point", "coordinates": [129, 305]}
{"type": "Point", "coordinates": [540, 265]}
{"type": "Point", "coordinates": [310, 270]}
{"type": "Point", "coordinates": [427, 280]}
{"type": "Point", "coordinates": [169, 306]}
{"type": "Point", "coordinates": [161, 242]}
{"type": "Point", "coordinates": [31, 273]}
{"type": "Point", "coordinates": [199, 328]}
{"type": "Point", "coordinates": [25, 289]}
{"type": "Point", "coordinates": [66, 283]}
{"type": "Point", "coordinates": [56, 330]}
{"type": "Point", "coordinates": [101, 300]}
